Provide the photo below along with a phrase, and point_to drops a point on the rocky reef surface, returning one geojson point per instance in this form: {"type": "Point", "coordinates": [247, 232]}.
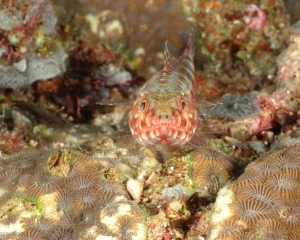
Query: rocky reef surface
{"type": "Point", "coordinates": [71, 170]}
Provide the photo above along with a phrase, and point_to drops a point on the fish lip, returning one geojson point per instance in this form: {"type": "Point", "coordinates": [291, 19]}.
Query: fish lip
{"type": "Point", "coordinates": [165, 136]}
{"type": "Point", "coordinates": [164, 130]}
{"type": "Point", "coordinates": [167, 130]}
{"type": "Point", "coordinates": [166, 125]}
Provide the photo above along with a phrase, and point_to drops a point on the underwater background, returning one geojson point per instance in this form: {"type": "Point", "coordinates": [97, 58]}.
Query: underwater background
{"type": "Point", "coordinates": [69, 167]}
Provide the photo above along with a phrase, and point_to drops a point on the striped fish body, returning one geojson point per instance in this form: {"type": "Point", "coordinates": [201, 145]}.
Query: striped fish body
{"type": "Point", "coordinates": [165, 111]}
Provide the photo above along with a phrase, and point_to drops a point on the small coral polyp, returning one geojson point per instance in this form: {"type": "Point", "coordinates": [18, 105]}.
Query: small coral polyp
{"type": "Point", "coordinates": [267, 207]}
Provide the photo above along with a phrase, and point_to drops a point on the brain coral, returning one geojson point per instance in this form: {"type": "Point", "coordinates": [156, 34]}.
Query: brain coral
{"type": "Point", "coordinates": [40, 201]}
{"type": "Point", "coordinates": [210, 170]}
{"type": "Point", "coordinates": [263, 203]}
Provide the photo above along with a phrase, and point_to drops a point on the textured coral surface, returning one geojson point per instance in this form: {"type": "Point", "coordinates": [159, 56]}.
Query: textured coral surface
{"type": "Point", "coordinates": [70, 169]}
{"type": "Point", "coordinates": [62, 194]}
{"type": "Point", "coordinates": [263, 203]}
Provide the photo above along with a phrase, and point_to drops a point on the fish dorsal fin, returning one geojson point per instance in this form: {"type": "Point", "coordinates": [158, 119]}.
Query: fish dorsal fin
{"type": "Point", "coordinates": [167, 60]}
{"type": "Point", "coordinates": [190, 46]}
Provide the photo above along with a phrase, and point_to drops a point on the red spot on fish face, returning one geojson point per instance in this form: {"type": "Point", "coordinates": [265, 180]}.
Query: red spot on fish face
{"type": "Point", "coordinates": [163, 120]}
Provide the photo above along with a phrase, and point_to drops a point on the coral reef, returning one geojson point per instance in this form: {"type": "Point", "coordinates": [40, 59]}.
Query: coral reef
{"type": "Point", "coordinates": [31, 69]}
{"type": "Point", "coordinates": [288, 72]}
{"type": "Point", "coordinates": [78, 204]}
{"type": "Point", "coordinates": [71, 170]}
{"type": "Point", "coordinates": [234, 107]}
{"type": "Point", "coordinates": [239, 40]}
{"type": "Point", "coordinates": [263, 203]}
{"type": "Point", "coordinates": [134, 26]}
{"type": "Point", "coordinates": [28, 52]}
{"type": "Point", "coordinates": [248, 115]}
{"type": "Point", "coordinates": [210, 171]}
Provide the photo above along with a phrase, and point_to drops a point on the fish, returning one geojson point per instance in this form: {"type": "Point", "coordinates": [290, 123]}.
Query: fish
{"type": "Point", "coordinates": [165, 111]}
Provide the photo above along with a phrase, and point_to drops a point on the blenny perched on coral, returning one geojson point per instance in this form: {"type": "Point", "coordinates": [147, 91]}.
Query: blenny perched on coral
{"type": "Point", "coordinates": [165, 111]}
{"type": "Point", "coordinates": [166, 108]}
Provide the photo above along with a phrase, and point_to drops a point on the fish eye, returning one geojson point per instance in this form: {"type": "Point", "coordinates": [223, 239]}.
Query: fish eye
{"type": "Point", "coordinates": [144, 105]}
{"type": "Point", "coordinates": [182, 104]}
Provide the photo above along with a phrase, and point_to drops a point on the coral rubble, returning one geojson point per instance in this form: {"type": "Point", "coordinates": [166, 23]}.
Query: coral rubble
{"type": "Point", "coordinates": [240, 39]}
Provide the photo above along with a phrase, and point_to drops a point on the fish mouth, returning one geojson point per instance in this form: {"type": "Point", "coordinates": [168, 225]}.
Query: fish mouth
{"type": "Point", "coordinates": [165, 134]}
{"type": "Point", "coordinates": [165, 128]}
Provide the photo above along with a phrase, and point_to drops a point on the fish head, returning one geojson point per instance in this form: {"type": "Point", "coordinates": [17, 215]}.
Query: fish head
{"type": "Point", "coordinates": [163, 118]}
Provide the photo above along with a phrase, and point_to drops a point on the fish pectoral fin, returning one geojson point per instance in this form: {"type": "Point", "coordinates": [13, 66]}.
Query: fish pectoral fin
{"type": "Point", "coordinates": [201, 102]}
